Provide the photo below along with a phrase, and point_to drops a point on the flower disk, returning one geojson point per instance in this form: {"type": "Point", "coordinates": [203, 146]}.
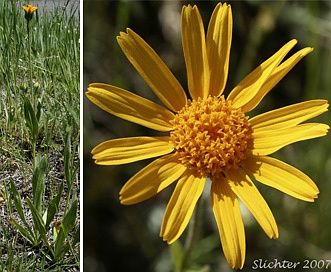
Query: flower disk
{"type": "Point", "coordinates": [210, 136]}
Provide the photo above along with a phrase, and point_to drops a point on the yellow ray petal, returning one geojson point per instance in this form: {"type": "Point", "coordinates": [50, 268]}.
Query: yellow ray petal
{"type": "Point", "coordinates": [127, 150]}
{"type": "Point", "coordinates": [288, 116]}
{"type": "Point", "coordinates": [245, 189]}
{"type": "Point", "coordinates": [129, 106]}
{"type": "Point", "coordinates": [194, 46]}
{"type": "Point", "coordinates": [281, 176]}
{"type": "Point", "coordinates": [29, 8]}
{"type": "Point", "coordinates": [249, 87]}
{"type": "Point", "coordinates": [277, 74]}
{"type": "Point", "coordinates": [181, 205]}
{"type": "Point", "coordinates": [152, 179]}
{"type": "Point", "coordinates": [218, 42]}
{"type": "Point", "coordinates": [153, 70]}
{"type": "Point", "coordinates": [229, 221]}
{"type": "Point", "coordinates": [268, 142]}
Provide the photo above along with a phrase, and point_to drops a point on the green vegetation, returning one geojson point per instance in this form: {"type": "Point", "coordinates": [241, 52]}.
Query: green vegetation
{"type": "Point", "coordinates": [39, 139]}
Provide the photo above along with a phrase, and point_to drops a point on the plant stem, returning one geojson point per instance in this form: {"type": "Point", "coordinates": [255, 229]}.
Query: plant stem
{"type": "Point", "coordinates": [30, 67]}
{"type": "Point", "coordinates": [192, 234]}
{"type": "Point", "coordinates": [32, 93]}
{"type": "Point", "coordinates": [33, 155]}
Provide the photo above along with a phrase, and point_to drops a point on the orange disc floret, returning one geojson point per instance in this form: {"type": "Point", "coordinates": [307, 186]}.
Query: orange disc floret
{"type": "Point", "coordinates": [210, 135]}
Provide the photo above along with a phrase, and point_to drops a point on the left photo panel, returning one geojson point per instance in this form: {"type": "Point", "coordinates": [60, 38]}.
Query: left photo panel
{"type": "Point", "coordinates": [40, 135]}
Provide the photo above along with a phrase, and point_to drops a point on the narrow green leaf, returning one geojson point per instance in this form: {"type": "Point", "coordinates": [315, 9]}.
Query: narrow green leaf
{"type": "Point", "coordinates": [67, 225]}
{"type": "Point", "coordinates": [25, 233]}
{"type": "Point", "coordinates": [38, 223]}
{"type": "Point", "coordinates": [39, 112]}
{"type": "Point", "coordinates": [70, 216]}
{"type": "Point", "coordinates": [76, 237]}
{"type": "Point", "coordinates": [7, 197]}
{"type": "Point", "coordinates": [31, 119]}
{"type": "Point", "coordinates": [53, 206]}
{"type": "Point", "coordinates": [63, 248]}
{"type": "Point", "coordinates": [38, 182]}
{"type": "Point", "coordinates": [67, 159]}
{"type": "Point", "coordinates": [19, 206]}
{"type": "Point", "coordinates": [56, 229]}
{"type": "Point", "coordinates": [27, 115]}
{"type": "Point", "coordinates": [59, 244]}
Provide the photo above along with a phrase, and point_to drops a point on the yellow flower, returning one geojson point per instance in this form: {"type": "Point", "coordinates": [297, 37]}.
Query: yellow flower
{"type": "Point", "coordinates": [209, 136]}
{"type": "Point", "coordinates": [29, 11]}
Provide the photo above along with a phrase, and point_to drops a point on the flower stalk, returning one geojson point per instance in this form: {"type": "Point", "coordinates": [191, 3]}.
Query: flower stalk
{"type": "Point", "coordinates": [30, 66]}
{"type": "Point", "coordinates": [29, 10]}
{"type": "Point", "coordinates": [31, 110]}
{"type": "Point", "coordinates": [192, 234]}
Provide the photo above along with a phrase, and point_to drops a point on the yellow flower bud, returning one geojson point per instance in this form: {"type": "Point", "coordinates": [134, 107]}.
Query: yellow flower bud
{"type": "Point", "coordinates": [29, 11]}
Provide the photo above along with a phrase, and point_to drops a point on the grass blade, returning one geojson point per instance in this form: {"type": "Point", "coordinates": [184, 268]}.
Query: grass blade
{"type": "Point", "coordinates": [67, 159]}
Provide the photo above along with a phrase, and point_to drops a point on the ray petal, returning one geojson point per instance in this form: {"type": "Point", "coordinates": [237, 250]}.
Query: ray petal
{"type": "Point", "coordinates": [229, 222]}
{"type": "Point", "coordinates": [282, 176]}
{"type": "Point", "coordinates": [288, 116]}
{"type": "Point", "coordinates": [250, 86]}
{"type": "Point", "coordinates": [277, 74]}
{"type": "Point", "coordinates": [245, 189]}
{"type": "Point", "coordinates": [129, 106]}
{"type": "Point", "coordinates": [181, 205]}
{"type": "Point", "coordinates": [268, 142]}
{"type": "Point", "coordinates": [152, 179]}
{"type": "Point", "coordinates": [218, 42]}
{"type": "Point", "coordinates": [195, 53]}
{"type": "Point", "coordinates": [153, 70]}
{"type": "Point", "coordinates": [127, 150]}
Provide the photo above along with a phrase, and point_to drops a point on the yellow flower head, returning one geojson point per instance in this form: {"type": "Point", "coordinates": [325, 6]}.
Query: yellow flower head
{"type": "Point", "coordinates": [210, 136]}
{"type": "Point", "coordinates": [29, 11]}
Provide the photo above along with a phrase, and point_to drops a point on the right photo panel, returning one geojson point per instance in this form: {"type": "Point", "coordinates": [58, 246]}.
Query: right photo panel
{"type": "Point", "coordinates": [205, 135]}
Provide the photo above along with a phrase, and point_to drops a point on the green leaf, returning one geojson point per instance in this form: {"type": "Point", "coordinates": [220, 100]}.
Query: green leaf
{"type": "Point", "coordinates": [27, 115]}
{"type": "Point", "coordinates": [23, 231]}
{"type": "Point", "coordinates": [31, 119]}
{"type": "Point", "coordinates": [38, 223]}
{"type": "Point", "coordinates": [65, 247]}
{"type": "Point", "coordinates": [59, 242]}
{"type": "Point", "coordinates": [39, 111]}
{"type": "Point", "coordinates": [70, 216]}
{"type": "Point", "coordinates": [38, 182]}
{"type": "Point", "coordinates": [76, 237]}
{"type": "Point", "coordinates": [19, 206]}
{"type": "Point", "coordinates": [53, 206]}
{"type": "Point", "coordinates": [7, 198]}
{"type": "Point", "coordinates": [67, 225]}
{"type": "Point", "coordinates": [56, 229]}
{"type": "Point", "coordinates": [67, 159]}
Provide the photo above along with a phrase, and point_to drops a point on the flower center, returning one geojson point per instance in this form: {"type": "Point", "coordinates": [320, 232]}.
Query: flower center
{"type": "Point", "coordinates": [210, 135]}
